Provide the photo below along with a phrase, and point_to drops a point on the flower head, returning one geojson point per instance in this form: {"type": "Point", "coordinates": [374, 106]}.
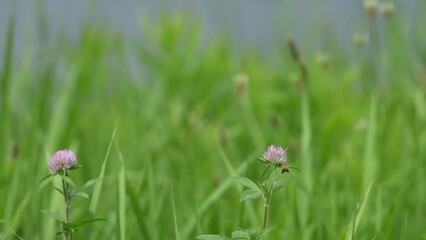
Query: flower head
{"type": "Point", "coordinates": [62, 160]}
{"type": "Point", "coordinates": [275, 155]}
{"type": "Point", "coordinates": [387, 8]}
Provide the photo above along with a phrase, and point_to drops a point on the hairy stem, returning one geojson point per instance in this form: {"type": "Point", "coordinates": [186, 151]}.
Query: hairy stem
{"type": "Point", "coordinates": [266, 198]}
{"type": "Point", "coordinates": [265, 215]}
{"type": "Point", "coordinates": [68, 235]}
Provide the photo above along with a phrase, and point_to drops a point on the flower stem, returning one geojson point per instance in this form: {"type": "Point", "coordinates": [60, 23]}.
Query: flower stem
{"type": "Point", "coordinates": [266, 198]}
{"type": "Point", "coordinates": [265, 216]}
{"type": "Point", "coordinates": [68, 235]}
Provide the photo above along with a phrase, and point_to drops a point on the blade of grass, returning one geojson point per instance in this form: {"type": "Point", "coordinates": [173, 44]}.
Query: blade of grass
{"type": "Point", "coordinates": [232, 172]}
{"type": "Point", "coordinates": [5, 89]}
{"type": "Point", "coordinates": [359, 211]}
{"type": "Point", "coordinates": [369, 163]}
{"type": "Point", "coordinates": [121, 195]}
{"type": "Point", "coordinates": [306, 154]}
{"type": "Point", "coordinates": [56, 126]}
{"type": "Point", "coordinates": [12, 196]}
{"type": "Point", "coordinates": [98, 186]}
{"type": "Point", "coordinates": [306, 162]}
{"type": "Point", "coordinates": [251, 121]}
{"type": "Point", "coordinates": [214, 196]}
{"type": "Point", "coordinates": [153, 201]}
{"type": "Point", "coordinates": [136, 209]}
{"type": "Point", "coordinates": [19, 210]}
{"type": "Point", "coordinates": [14, 233]}
{"type": "Point", "coordinates": [174, 213]}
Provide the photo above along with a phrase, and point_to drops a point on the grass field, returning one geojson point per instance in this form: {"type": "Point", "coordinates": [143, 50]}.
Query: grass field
{"type": "Point", "coordinates": [169, 119]}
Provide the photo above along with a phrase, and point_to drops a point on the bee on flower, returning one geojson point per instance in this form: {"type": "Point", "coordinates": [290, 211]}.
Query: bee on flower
{"type": "Point", "coordinates": [276, 156]}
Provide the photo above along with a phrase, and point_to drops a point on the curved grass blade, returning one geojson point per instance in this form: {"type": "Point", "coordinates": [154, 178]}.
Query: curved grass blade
{"type": "Point", "coordinates": [121, 195]}
{"type": "Point", "coordinates": [174, 213]}
{"type": "Point", "coordinates": [98, 186]}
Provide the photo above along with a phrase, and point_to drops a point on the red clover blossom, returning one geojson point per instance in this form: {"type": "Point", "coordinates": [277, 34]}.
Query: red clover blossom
{"type": "Point", "coordinates": [62, 160]}
{"type": "Point", "coordinates": [276, 155]}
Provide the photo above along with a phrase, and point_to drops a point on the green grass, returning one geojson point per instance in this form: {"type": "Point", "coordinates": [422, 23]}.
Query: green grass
{"type": "Point", "coordinates": [158, 118]}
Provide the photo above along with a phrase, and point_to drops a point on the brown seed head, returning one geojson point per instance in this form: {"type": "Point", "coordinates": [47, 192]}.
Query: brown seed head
{"type": "Point", "coordinates": [323, 60]}
{"type": "Point", "coordinates": [293, 48]}
{"type": "Point", "coordinates": [371, 8]}
{"type": "Point", "coordinates": [240, 82]}
{"type": "Point", "coordinates": [387, 9]}
{"type": "Point", "coordinates": [360, 39]}
{"type": "Point", "coordinates": [223, 136]}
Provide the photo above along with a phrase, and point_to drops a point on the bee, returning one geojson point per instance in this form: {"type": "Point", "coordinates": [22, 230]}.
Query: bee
{"type": "Point", "coordinates": [284, 169]}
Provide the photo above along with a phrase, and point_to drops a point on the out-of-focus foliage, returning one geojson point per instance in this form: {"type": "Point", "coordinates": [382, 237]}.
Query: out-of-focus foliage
{"type": "Point", "coordinates": [192, 113]}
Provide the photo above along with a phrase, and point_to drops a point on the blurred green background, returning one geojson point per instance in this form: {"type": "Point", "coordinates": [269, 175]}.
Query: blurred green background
{"type": "Point", "coordinates": [190, 111]}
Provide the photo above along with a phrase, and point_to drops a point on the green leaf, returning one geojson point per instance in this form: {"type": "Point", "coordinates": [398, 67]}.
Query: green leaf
{"type": "Point", "coordinates": [90, 182]}
{"type": "Point", "coordinates": [276, 174]}
{"type": "Point", "coordinates": [294, 168]}
{"type": "Point", "coordinates": [240, 234]}
{"type": "Point", "coordinates": [76, 193]}
{"type": "Point", "coordinates": [74, 225]}
{"type": "Point", "coordinates": [53, 215]}
{"type": "Point", "coordinates": [75, 167]}
{"type": "Point", "coordinates": [273, 183]}
{"type": "Point", "coordinates": [250, 194]}
{"type": "Point", "coordinates": [277, 185]}
{"type": "Point", "coordinates": [46, 180]}
{"type": "Point", "coordinates": [210, 237]}
{"type": "Point", "coordinates": [256, 233]}
{"type": "Point", "coordinates": [79, 191]}
{"type": "Point", "coordinates": [247, 183]}
{"type": "Point", "coordinates": [266, 185]}
{"type": "Point", "coordinates": [262, 160]}
{"type": "Point", "coordinates": [296, 181]}
{"type": "Point", "coordinates": [46, 177]}
{"type": "Point", "coordinates": [60, 191]}
{"type": "Point", "coordinates": [260, 233]}
{"type": "Point", "coordinates": [276, 180]}
{"type": "Point", "coordinates": [264, 171]}
{"type": "Point", "coordinates": [68, 180]}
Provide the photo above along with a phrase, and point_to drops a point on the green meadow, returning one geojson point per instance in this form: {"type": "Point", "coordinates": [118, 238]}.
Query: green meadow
{"type": "Point", "coordinates": [168, 118]}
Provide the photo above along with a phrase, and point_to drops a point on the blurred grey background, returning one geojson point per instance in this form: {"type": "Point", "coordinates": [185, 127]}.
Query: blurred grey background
{"type": "Point", "coordinates": [261, 24]}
